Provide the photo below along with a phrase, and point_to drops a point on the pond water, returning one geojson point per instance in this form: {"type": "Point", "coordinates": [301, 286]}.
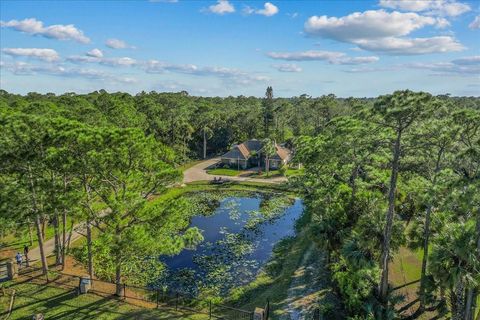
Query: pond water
{"type": "Point", "coordinates": [239, 235]}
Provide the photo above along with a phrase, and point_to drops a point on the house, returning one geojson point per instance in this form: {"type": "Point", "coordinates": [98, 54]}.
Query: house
{"type": "Point", "coordinates": [249, 154]}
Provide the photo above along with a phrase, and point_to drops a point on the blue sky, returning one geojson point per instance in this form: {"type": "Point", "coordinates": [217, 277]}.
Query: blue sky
{"type": "Point", "coordinates": [219, 47]}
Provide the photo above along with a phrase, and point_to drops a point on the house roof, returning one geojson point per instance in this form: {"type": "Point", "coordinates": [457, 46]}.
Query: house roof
{"type": "Point", "coordinates": [235, 153]}
{"type": "Point", "coordinates": [244, 150]}
{"type": "Point", "coordinates": [282, 153]}
{"type": "Point", "coordinates": [253, 145]}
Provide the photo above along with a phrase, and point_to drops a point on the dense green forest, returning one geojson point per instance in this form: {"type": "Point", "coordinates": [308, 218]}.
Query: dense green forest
{"type": "Point", "coordinates": [379, 173]}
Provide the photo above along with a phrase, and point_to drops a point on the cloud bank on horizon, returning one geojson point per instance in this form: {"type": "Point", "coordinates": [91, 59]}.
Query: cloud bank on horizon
{"type": "Point", "coordinates": [231, 48]}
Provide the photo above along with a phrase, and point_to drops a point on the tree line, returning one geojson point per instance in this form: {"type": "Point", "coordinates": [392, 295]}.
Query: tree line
{"type": "Point", "coordinates": [402, 171]}
{"type": "Point", "coordinates": [380, 173]}
{"type": "Point", "coordinates": [195, 127]}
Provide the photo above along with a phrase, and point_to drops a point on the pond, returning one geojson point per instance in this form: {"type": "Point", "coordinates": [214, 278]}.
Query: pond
{"type": "Point", "coordinates": [239, 235]}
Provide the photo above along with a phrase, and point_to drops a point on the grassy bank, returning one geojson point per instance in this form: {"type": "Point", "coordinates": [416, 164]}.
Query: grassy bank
{"type": "Point", "coordinates": [273, 282]}
{"type": "Point", "coordinates": [197, 186]}
{"type": "Point", "coordinates": [224, 172]}
{"type": "Point", "coordinates": [57, 302]}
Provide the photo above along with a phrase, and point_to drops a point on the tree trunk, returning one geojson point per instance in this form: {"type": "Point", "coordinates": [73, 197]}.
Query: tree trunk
{"type": "Point", "coordinates": [383, 289]}
{"type": "Point", "coordinates": [43, 258]}
{"type": "Point", "coordinates": [118, 265]}
{"type": "Point", "coordinates": [473, 293]}
{"type": "Point", "coordinates": [89, 229]}
{"type": "Point", "coordinates": [64, 238]}
{"type": "Point", "coordinates": [204, 144]}
{"type": "Point", "coordinates": [267, 165]}
{"type": "Point", "coordinates": [30, 232]}
{"type": "Point", "coordinates": [426, 239]}
{"type": "Point", "coordinates": [58, 248]}
{"type": "Point", "coordinates": [469, 304]}
{"type": "Point", "coordinates": [458, 311]}
{"type": "Point", "coordinates": [118, 278]}
{"type": "Point", "coordinates": [69, 241]}
{"type": "Point", "coordinates": [44, 226]}
{"type": "Point", "coordinates": [89, 249]}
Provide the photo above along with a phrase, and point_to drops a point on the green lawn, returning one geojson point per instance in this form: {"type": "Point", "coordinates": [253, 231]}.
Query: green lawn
{"type": "Point", "coordinates": [60, 303]}
{"type": "Point", "coordinates": [271, 174]}
{"type": "Point", "coordinates": [224, 172]}
{"type": "Point", "coordinates": [294, 172]}
{"type": "Point", "coordinates": [277, 173]}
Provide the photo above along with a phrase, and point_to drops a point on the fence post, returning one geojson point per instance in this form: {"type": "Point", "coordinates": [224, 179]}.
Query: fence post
{"type": "Point", "coordinates": [12, 270]}
{"type": "Point", "coordinates": [124, 291]}
{"type": "Point", "coordinates": [210, 309]}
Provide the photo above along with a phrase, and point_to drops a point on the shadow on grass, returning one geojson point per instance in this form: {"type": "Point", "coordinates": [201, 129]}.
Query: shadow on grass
{"type": "Point", "coordinates": [58, 302]}
{"type": "Point", "coordinates": [9, 246]}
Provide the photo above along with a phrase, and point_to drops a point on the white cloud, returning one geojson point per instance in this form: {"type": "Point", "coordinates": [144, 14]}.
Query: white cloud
{"type": "Point", "coordinates": [42, 54]}
{"type": "Point", "coordinates": [222, 7]}
{"type": "Point", "coordinates": [229, 75]}
{"type": "Point", "coordinates": [96, 53]}
{"type": "Point", "coordinates": [356, 60]}
{"type": "Point", "coordinates": [442, 23]}
{"type": "Point", "coordinates": [447, 68]}
{"type": "Point", "coordinates": [287, 67]}
{"type": "Point", "coordinates": [473, 60]}
{"type": "Point", "coordinates": [407, 46]}
{"type": "Point", "coordinates": [431, 7]}
{"type": "Point", "coordinates": [123, 61]}
{"type": "Point", "coordinates": [35, 27]}
{"type": "Point", "coordinates": [118, 44]}
{"type": "Point", "coordinates": [381, 31]}
{"type": "Point", "coordinates": [372, 24]}
{"type": "Point", "coordinates": [331, 57]}
{"type": "Point", "coordinates": [475, 24]}
{"type": "Point", "coordinates": [113, 62]}
{"type": "Point", "coordinates": [306, 55]}
{"type": "Point", "coordinates": [269, 9]}
{"type": "Point", "coordinates": [466, 66]}
{"type": "Point", "coordinates": [22, 68]}
{"type": "Point", "coordinates": [83, 59]}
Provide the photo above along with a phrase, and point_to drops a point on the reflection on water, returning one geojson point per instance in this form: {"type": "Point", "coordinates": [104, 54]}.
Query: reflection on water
{"type": "Point", "coordinates": [239, 236]}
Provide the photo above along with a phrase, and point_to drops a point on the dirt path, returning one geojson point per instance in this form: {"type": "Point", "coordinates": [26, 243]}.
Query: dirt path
{"type": "Point", "coordinates": [49, 247]}
{"type": "Point", "coordinates": [298, 300]}
{"type": "Point", "coordinates": [198, 173]}
{"type": "Point", "coordinates": [310, 287]}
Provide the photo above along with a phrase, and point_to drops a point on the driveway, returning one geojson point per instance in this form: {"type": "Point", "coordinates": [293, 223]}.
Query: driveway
{"type": "Point", "coordinates": [199, 173]}
{"type": "Point", "coordinates": [48, 247]}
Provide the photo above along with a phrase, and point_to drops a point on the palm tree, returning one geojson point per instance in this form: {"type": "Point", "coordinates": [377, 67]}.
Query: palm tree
{"type": "Point", "coordinates": [269, 149]}
{"type": "Point", "coordinates": [452, 264]}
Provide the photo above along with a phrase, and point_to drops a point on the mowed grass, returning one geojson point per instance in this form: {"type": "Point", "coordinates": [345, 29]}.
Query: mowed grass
{"type": "Point", "coordinates": [224, 172]}
{"type": "Point", "coordinates": [405, 270]}
{"type": "Point", "coordinates": [173, 193]}
{"type": "Point", "coordinates": [277, 173]}
{"type": "Point", "coordinates": [56, 302]}
{"type": "Point", "coordinates": [273, 287]}
{"type": "Point", "coordinates": [406, 266]}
